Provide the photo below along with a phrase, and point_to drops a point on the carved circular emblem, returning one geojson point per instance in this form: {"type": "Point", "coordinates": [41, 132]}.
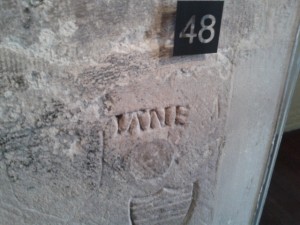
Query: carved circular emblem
{"type": "Point", "coordinates": [151, 159]}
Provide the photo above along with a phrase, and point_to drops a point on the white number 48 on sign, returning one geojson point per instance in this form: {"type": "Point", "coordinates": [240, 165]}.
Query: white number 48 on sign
{"type": "Point", "coordinates": [191, 24]}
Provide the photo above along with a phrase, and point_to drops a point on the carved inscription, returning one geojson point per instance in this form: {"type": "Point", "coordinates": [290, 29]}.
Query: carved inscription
{"type": "Point", "coordinates": [168, 206]}
{"type": "Point", "coordinates": [149, 119]}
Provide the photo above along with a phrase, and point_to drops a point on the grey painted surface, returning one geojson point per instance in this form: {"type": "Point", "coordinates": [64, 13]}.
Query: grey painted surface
{"type": "Point", "coordinates": [293, 120]}
{"type": "Point", "coordinates": [290, 84]}
{"type": "Point", "coordinates": [256, 100]}
{"type": "Point", "coordinates": [100, 125]}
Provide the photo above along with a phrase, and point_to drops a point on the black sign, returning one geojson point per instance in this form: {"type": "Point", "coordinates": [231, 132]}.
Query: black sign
{"type": "Point", "coordinates": [198, 26]}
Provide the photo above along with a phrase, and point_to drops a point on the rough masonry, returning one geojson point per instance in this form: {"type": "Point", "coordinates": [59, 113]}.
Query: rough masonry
{"type": "Point", "coordinates": [99, 124]}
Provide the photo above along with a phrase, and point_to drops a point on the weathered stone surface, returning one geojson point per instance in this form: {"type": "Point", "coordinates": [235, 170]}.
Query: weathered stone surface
{"type": "Point", "coordinates": [98, 121]}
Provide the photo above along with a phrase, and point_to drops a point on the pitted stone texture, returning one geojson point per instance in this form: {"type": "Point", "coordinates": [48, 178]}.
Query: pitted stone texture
{"type": "Point", "coordinates": [151, 159]}
{"type": "Point", "coordinates": [94, 112]}
{"type": "Point", "coordinates": [57, 168]}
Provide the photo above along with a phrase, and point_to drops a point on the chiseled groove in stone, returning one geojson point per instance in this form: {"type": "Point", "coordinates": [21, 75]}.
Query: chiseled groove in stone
{"type": "Point", "coordinates": [124, 122]}
{"type": "Point", "coordinates": [154, 120]}
{"type": "Point", "coordinates": [134, 128]}
{"type": "Point", "coordinates": [177, 204]}
{"type": "Point", "coordinates": [170, 205]}
{"type": "Point", "coordinates": [195, 196]}
{"type": "Point", "coordinates": [2, 61]}
{"type": "Point", "coordinates": [17, 63]}
{"type": "Point", "coordinates": [161, 114]}
{"type": "Point", "coordinates": [164, 192]}
{"type": "Point", "coordinates": [5, 60]}
{"type": "Point", "coordinates": [216, 109]}
{"type": "Point", "coordinates": [153, 204]}
{"type": "Point", "coordinates": [181, 115]}
{"type": "Point", "coordinates": [162, 217]}
{"type": "Point", "coordinates": [144, 120]}
{"type": "Point", "coordinates": [170, 115]}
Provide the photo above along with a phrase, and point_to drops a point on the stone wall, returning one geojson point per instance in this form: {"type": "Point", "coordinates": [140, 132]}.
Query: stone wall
{"type": "Point", "coordinates": [99, 124]}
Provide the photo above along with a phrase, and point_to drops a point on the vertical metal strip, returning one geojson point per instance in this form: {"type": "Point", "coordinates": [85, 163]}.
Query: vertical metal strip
{"type": "Point", "coordinates": [293, 73]}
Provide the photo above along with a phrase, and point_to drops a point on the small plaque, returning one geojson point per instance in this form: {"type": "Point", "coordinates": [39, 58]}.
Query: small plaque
{"type": "Point", "coordinates": [198, 26]}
